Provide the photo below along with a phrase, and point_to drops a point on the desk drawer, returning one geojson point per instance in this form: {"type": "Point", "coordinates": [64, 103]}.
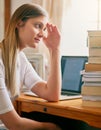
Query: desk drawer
{"type": "Point", "coordinates": [30, 107]}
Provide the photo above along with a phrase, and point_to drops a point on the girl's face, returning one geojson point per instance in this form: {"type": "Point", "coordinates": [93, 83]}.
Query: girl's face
{"type": "Point", "coordinates": [32, 31]}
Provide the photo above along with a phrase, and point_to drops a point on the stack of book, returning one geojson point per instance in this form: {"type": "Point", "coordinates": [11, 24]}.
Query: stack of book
{"type": "Point", "coordinates": [91, 76]}
{"type": "Point", "coordinates": [91, 88]}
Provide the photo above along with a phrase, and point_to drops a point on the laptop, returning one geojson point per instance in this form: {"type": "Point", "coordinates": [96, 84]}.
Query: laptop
{"type": "Point", "coordinates": [71, 78]}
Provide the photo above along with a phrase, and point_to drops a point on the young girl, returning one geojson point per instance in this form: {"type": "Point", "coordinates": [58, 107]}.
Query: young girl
{"type": "Point", "coordinates": [26, 29]}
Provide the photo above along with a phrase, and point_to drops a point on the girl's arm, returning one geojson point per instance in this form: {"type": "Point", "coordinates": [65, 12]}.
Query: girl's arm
{"type": "Point", "coordinates": [14, 122]}
{"type": "Point", "coordinates": [51, 90]}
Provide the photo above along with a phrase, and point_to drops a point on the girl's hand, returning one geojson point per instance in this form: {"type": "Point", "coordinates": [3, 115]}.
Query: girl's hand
{"type": "Point", "coordinates": [52, 41]}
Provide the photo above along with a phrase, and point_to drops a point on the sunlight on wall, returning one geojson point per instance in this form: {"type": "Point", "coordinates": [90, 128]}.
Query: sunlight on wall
{"type": "Point", "coordinates": [82, 15]}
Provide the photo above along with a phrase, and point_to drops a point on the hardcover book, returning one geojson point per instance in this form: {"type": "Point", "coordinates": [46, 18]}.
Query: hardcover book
{"type": "Point", "coordinates": [94, 59]}
{"type": "Point", "coordinates": [91, 90]}
{"type": "Point", "coordinates": [94, 41]}
{"type": "Point", "coordinates": [89, 103]}
{"type": "Point", "coordinates": [92, 67]}
{"type": "Point", "coordinates": [94, 33]}
{"type": "Point", "coordinates": [96, 51]}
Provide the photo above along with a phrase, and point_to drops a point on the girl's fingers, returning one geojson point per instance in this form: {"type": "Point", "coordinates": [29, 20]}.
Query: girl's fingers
{"type": "Point", "coordinates": [50, 27]}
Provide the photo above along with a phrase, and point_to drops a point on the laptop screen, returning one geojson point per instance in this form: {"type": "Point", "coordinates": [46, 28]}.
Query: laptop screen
{"type": "Point", "coordinates": [71, 67]}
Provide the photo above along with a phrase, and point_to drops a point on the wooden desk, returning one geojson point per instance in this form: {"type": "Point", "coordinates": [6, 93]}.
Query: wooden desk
{"type": "Point", "coordinates": [69, 108]}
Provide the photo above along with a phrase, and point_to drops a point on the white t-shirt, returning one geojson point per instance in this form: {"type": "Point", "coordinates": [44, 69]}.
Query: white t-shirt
{"type": "Point", "coordinates": [26, 76]}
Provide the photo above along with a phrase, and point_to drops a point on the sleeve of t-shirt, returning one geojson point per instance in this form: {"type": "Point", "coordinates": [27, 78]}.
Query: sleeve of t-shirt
{"type": "Point", "coordinates": [31, 78]}
{"type": "Point", "coordinates": [5, 102]}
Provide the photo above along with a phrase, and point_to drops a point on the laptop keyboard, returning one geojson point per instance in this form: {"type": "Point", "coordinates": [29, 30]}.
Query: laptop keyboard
{"type": "Point", "coordinates": [69, 93]}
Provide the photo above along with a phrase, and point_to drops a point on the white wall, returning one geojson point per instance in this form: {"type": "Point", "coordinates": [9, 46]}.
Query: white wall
{"type": "Point", "coordinates": [16, 3]}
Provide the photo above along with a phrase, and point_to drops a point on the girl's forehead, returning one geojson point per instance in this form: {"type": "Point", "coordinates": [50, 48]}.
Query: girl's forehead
{"type": "Point", "coordinates": [41, 19]}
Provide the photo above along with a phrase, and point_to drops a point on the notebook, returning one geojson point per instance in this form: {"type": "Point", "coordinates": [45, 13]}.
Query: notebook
{"type": "Point", "coordinates": [71, 78]}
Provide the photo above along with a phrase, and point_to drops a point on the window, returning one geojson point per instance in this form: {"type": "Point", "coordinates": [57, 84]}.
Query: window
{"type": "Point", "coordinates": [80, 16]}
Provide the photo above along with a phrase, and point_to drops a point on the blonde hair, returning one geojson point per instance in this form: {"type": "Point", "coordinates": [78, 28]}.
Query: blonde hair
{"type": "Point", "coordinates": [10, 45]}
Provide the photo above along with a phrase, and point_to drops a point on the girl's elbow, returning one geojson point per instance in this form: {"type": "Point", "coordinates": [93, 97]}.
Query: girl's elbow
{"type": "Point", "coordinates": [53, 98]}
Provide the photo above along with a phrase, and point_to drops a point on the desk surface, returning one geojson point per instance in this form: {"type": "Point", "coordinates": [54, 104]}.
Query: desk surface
{"type": "Point", "coordinates": [68, 108]}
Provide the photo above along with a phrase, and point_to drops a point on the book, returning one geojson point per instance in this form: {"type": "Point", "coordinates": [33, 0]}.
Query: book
{"type": "Point", "coordinates": [91, 74]}
{"type": "Point", "coordinates": [91, 97]}
{"type": "Point", "coordinates": [92, 84]}
{"type": "Point", "coordinates": [94, 33]}
{"type": "Point", "coordinates": [94, 76]}
{"type": "Point", "coordinates": [91, 79]}
{"type": "Point", "coordinates": [94, 41]}
{"type": "Point", "coordinates": [94, 59]}
{"type": "Point", "coordinates": [88, 103]}
{"type": "Point", "coordinates": [91, 90]}
{"type": "Point", "coordinates": [95, 51]}
{"type": "Point", "coordinates": [94, 38]}
{"type": "Point", "coordinates": [92, 67]}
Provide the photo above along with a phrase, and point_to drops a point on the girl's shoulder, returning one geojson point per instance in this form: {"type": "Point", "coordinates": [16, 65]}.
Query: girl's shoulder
{"type": "Point", "coordinates": [23, 57]}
